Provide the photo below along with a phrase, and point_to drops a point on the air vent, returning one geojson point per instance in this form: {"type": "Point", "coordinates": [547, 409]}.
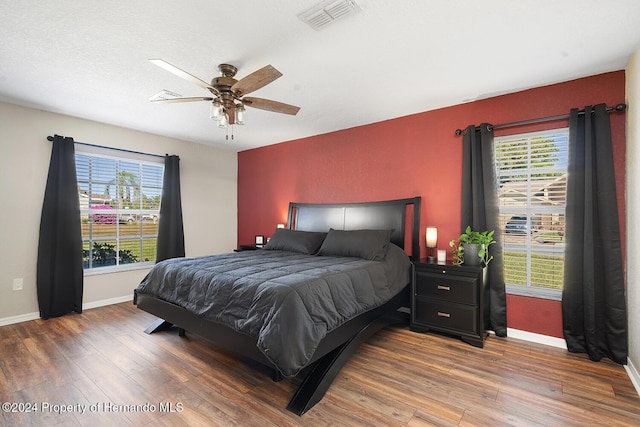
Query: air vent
{"type": "Point", "coordinates": [328, 12]}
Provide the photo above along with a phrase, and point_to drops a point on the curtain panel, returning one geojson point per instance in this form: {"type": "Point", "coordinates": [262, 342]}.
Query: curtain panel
{"type": "Point", "coordinates": [170, 226]}
{"type": "Point", "coordinates": [593, 299]}
{"type": "Point", "coordinates": [480, 211]}
{"type": "Point", "coordinates": [59, 276]}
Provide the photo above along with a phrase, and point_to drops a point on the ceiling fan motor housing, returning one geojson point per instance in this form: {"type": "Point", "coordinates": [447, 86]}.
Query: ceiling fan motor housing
{"type": "Point", "coordinates": [223, 84]}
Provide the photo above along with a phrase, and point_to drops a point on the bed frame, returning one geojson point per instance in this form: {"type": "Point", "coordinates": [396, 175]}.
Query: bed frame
{"type": "Point", "coordinates": [339, 344]}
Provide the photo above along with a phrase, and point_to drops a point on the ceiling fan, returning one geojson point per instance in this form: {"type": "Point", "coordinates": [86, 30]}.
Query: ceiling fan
{"type": "Point", "coordinates": [229, 100]}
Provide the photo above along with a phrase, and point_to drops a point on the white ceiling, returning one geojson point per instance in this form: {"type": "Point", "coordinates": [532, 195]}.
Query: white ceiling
{"type": "Point", "coordinates": [89, 58]}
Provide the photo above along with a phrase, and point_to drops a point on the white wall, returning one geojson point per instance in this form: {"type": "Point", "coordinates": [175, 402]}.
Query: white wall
{"type": "Point", "coordinates": [633, 211]}
{"type": "Point", "coordinates": [208, 186]}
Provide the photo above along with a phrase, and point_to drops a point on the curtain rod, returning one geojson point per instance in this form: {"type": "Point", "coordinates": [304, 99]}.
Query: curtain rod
{"type": "Point", "coordinates": [619, 107]}
{"type": "Point", "coordinates": [50, 138]}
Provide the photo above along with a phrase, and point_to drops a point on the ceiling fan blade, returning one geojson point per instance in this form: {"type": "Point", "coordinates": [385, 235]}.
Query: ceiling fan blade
{"type": "Point", "coordinates": [190, 99]}
{"type": "Point", "coordinates": [256, 80]}
{"type": "Point", "coordinates": [181, 73]}
{"type": "Point", "coordinates": [269, 105]}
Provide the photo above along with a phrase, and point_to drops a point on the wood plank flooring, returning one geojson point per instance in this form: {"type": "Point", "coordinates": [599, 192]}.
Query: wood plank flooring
{"type": "Point", "coordinates": [103, 362]}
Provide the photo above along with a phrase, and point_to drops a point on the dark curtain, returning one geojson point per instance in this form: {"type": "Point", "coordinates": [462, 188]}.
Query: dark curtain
{"type": "Point", "coordinates": [170, 228]}
{"type": "Point", "coordinates": [480, 211]}
{"type": "Point", "coordinates": [59, 277]}
{"type": "Point", "coordinates": [593, 300]}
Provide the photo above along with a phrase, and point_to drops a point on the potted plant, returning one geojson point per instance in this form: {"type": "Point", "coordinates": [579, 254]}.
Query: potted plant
{"type": "Point", "coordinates": [475, 244]}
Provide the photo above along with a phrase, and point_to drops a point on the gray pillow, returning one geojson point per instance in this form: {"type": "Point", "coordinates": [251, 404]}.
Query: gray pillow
{"type": "Point", "coordinates": [305, 242]}
{"type": "Point", "coordinates": [366, 244]}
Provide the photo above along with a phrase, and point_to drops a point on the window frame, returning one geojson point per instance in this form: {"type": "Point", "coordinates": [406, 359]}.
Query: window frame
{"type": "Point", "coordinates": [530, 211]}
{"type": "Point", "coordinates": [131, 157]}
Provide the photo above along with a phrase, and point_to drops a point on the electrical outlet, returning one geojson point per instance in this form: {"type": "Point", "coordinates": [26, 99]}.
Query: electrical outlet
{"type": "Point", "coordinates": [17, 284]}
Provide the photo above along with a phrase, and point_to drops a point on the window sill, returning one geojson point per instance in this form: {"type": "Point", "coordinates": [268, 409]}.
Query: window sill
{"type": "Point", "coordinates": [119, 268]}
{"type": "Point", "coordinates": [528, 291]}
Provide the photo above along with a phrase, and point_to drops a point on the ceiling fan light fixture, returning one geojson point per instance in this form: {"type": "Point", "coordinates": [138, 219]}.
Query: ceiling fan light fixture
{"type": "Point", "coordinates": [215, 110]}
{"type": "Point", "coordinates": [223, 121]}
{"type": "Point", "coordinates": [240, 114]}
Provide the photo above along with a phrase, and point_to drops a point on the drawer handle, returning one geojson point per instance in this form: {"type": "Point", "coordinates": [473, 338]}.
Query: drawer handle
{"type": "Point", "coordinates": [442, 314]}
{"type": "Point", "coordinates": [444, 288]}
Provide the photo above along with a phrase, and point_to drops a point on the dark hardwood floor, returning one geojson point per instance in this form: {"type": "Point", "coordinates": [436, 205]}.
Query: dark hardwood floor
{"type": "Point", "coordinates": [103, 362]}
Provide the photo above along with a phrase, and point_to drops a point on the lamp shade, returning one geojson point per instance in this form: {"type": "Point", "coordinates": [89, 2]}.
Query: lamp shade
{"type": "Point", "coordinates": [432, 237]}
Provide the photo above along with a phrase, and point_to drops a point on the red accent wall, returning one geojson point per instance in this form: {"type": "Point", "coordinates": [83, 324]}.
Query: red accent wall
{"type": "Point", "coordinates": [417, 155]}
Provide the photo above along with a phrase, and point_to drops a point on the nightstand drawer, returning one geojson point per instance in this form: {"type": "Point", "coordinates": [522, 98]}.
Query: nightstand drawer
{"type": "Point", "coordinates": [446, 316]}
{"type": "Point", "coordinates": [460, 289]}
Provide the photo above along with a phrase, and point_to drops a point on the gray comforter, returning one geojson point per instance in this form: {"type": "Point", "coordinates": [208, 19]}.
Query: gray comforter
{"type": "Point", "coordinates": [287, 301]}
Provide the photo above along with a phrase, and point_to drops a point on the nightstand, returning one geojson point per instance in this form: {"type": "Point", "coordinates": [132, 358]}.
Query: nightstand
{"type": "Point", "coordinates": [448, 298]}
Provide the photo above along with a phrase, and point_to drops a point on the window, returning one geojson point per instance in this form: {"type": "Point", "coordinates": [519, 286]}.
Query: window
{"type": "Point", "coordinates": [532, 175]}
{"type": "Point", "coordinates": [119, 210]}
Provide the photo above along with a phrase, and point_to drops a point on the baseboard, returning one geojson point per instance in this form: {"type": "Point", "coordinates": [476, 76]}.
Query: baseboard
{"type": "Point", "coordinates": [87, 306]}
{"type": "Point", "coordinates": [537, 338]}
{"type": "Point", "coordinates": [110, 301]}
{"type": "Point", "coordinates": [19, 319]}
{"type": "Point", "coordinates": [634, 375]}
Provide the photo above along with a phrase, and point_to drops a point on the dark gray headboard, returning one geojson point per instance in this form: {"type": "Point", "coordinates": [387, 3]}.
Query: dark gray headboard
{"type": "Point", "coordinates": [384, 215]}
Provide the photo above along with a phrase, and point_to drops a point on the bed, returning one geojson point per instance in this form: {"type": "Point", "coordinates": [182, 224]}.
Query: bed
{"type": "Point", "coordinates": [302, 305]}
